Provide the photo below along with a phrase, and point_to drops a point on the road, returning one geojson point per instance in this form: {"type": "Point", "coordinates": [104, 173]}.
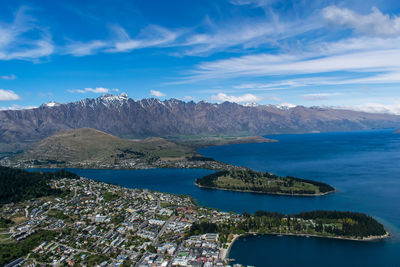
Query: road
{"type": "Point", "coordinates": [161, 232]}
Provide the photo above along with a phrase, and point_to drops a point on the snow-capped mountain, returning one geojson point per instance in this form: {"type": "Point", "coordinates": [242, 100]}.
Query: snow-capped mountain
{"type": "Point", "coordinates": [122, 116]}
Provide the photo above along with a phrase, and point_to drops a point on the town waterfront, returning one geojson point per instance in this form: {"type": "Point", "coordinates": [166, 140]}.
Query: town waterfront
{"type": "Point", "coordinates": [362, 166]}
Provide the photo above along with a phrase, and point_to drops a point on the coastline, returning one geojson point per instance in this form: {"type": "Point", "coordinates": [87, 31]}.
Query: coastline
{"type": "Point", "coordinates": [224, 254]}
{"type": "Point", "coordinates": [266, 193]}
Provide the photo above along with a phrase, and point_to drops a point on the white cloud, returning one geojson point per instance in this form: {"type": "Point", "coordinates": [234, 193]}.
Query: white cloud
{"type": "Point", "coordinates": [16, 41]}
{"type": "Point", "coordinates": [221, 97]}
{"type": "Point", "coordinates": [318, 96]}
{"type": "Point", "coordinates": [8, 77]}
{"type": "Point", "coordinates": [8, 95]}
{"type": "Point", "coordinates": [17, 107]}
{"type": "Point", "coordinates": [97, 90]}
{"type": "Point", "coordinates": [373, 24]}
{"type": "Point", "coordinates": [156, 93]}
{"type": "Point", "coordinates": [393, 108]}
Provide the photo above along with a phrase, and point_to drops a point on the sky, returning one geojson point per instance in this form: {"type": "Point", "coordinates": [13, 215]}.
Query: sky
{"type": "Point", "coordinates": [314, 53]}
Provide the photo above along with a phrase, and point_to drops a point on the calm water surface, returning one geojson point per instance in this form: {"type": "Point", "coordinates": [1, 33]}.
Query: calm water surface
{"type": "Point", "coordinates": [365, 169]}
{"type": "Point", "coordinates": [363, 166]}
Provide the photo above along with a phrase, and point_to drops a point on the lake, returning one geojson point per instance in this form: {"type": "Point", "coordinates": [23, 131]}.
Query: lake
{"type": "Point", "coordinates": [363, 166]}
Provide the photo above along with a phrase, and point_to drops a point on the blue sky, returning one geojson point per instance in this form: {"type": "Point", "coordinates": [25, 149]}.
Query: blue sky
{"type": "Point", "coordinates": [327, 53]}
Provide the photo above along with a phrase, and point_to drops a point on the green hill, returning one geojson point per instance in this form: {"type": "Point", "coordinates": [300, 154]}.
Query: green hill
{"type": "Point", "coordinates": [90, 146]}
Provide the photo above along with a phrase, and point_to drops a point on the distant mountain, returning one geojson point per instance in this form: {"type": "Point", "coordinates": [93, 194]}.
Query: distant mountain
{"type": "Point", "coordinates": [124, 117]}
{"type": "Point", "coordinates": [89, 146]}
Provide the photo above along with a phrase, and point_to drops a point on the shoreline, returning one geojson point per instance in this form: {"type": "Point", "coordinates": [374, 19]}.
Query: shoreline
{"type": "Point", "coordinates": [225, 252]}
{"type": "Point", "coordinates": [266, 193]}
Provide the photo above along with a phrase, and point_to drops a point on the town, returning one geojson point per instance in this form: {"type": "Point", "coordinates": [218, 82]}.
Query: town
{"type": "Point", "coordinates": [132, 164]}
{"type": "Point", "coordinates": [107, 225]}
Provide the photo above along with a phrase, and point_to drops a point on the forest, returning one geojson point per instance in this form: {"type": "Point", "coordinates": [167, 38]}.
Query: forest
{"type": "Point", "coordinates": [18, 185]}
{"type": "Point", "coordinates": [321, 223]}
{"type": "Point", "coordinates": [11, 251]}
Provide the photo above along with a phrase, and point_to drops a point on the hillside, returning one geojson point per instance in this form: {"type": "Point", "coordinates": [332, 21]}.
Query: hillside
{"type": "Point", "coordinates": [18, 185]}
{"type": "Point", "coordinates": [90, 146]}
{"type": "Point", "coordinates": [263, 182]}
{"type": "Point", "coordinates": [127, 118]}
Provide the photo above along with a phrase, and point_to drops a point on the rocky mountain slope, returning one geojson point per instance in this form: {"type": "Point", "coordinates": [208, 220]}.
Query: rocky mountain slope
{"type": "Point", "coordinates": [124, 117]}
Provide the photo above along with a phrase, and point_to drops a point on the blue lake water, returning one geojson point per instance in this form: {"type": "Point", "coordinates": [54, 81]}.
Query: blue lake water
{"type": "Point", "coordinates": [365, 169]}
{"type": "Point", "coordinates": [363, 166]}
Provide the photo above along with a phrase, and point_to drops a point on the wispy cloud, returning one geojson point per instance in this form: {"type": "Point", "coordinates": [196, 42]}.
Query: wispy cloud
{"type": "Point", "coordinates": [97, 90]}
{"type": "Point", "coordinates": [378, 66]}
{"type": "Point", "coordinates": [8, 77]}
{"type": "Point", "coordinates": [8, 95]}
{"type": "Point", "coordinates": [202, 40]}
{"type": "Point", "coordinates": [248, 34]}
{"type": "Point", "coordinates": [16, 41]}
{"type": "Point", "coordinates": [318, 96]}
{"type": "Point", "coordinates": [374, 53]}
{"type": "Point", "coordinates": [221, 97]}
{"type": "Point", "coordinates": [257, 3]}
{"type": "Point", "coordinates": [80, 49]}
{"type": "Point", "coordinates": [150, 36]}
{"type": "Point", "coordinates": [157, 93]}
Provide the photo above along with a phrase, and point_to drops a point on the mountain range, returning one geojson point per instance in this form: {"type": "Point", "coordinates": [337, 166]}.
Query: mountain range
{"type": "Point", "coordinates": [127, 118]}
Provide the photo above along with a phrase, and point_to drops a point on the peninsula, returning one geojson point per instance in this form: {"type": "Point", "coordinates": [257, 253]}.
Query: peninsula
{"type": "Point", "coordinates": [263, 182]}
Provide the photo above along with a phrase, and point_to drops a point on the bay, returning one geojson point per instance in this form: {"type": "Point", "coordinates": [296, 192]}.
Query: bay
{"type": "Point", "coordinates": [364, 167]}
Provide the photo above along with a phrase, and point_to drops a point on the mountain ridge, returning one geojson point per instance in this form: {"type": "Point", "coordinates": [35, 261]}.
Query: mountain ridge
{"type": "Point", "coordinates": [127, 118]}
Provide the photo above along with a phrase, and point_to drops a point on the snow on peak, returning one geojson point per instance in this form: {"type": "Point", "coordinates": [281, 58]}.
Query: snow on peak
{"type": "Point", "coordinates": [112, 100]}
{"type": "Point", "coordinates": [285, 106]}
{"type": "Point", "coordinates": [51, 104]}
{"type": "Point", "coordinates": [252, 104]}
{"type": "Point", "coordinates": [109, 97]}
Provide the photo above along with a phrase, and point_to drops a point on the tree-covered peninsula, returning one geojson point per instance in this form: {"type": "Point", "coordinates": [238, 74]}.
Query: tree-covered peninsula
{"type": "Point", "coordinates": [263, 182]}
{"type": "Point", "coordinates": [330, 224]}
